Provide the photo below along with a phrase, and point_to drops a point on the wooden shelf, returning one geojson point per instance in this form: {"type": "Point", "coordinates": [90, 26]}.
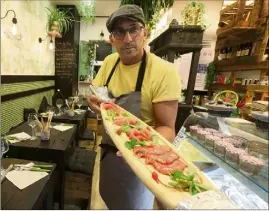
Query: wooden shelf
{"type": "Point", "coordinates": [257, 88]}
{"type": "Point", "coordinates": [235, 31]}
{"type": "Point", "coordinates": [235, 87]}
{"type": "Point", "coordinates": [237, 65]}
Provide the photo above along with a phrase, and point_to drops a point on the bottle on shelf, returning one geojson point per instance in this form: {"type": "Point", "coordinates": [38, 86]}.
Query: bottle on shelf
{"type": "Point", "coordinates": [221, 54]}
{"type": "Point", "coordinates": [246, 51]}
{"type": "Point", "coordinates": [229, 53]}
{"type": "Point", "coordinates": [243, 50]}
{"type": "Point", "coordinates": [249, 49]}
{"type": "Point", "coordinates": [238, 52]}
{"type": "Point", "coordinates": [225, 53]}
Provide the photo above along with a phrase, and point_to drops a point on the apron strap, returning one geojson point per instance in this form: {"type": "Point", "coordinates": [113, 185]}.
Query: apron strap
{"type": "Point", "coordinates": [112, 72]}
{"type": "Point", "coordinates": [141, 73]}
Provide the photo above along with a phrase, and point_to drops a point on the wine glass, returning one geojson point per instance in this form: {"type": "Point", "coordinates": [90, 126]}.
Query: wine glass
{"type": "Point", "coordinates": [79, 102]}
{"type": "Point", "coordinates": [59, 104]}
{"type": "Point", "coordinates": [4, 149]}
{"type": "Point", "coordinates": [32, 124]}
{"type": "Point", "coordinates": [70, 101]}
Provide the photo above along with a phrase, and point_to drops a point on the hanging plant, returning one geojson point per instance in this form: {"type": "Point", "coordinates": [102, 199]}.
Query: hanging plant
{"type": "Point", "coordinates": [87, 11]}
{"type": "Point", "coordinates": [193, 14]}
{"type": "Point", "coordinates": [151, 9]}
{"type": "Point", "coordinates": [91, 53]}
{"type": "Point", "coordinates": [59, 20]}
{"type": "Point", "coordinates": [210, 72]}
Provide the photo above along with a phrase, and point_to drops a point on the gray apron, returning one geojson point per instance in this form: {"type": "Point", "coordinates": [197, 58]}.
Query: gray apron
{"type": "Point", "coordinates": [119, 187]}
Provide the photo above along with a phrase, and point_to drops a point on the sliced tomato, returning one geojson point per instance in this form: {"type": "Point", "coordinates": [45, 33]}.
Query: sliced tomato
{"type": "Point", "coordinates": [108, 106]}
{"type": "Point", "coordinates": [132, 121]}
{"type": "Point", "coordinates": [119, 132]}
{"type": "Point", "coordinates": [138, 133]}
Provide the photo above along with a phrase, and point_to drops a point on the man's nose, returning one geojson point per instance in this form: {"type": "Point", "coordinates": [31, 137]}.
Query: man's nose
{"type": "Point", "coordinates": [127, 37]}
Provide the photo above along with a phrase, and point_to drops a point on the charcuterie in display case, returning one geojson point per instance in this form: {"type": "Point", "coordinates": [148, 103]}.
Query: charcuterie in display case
{"type": "Point", "coordinates": [236, 145]}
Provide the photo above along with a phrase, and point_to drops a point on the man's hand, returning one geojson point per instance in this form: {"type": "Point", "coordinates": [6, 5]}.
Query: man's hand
{"type": "Point", "coordinates": [94, 103]}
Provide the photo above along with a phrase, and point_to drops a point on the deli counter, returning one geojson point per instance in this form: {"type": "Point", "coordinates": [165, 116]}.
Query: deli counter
{"type": "Point", "coordinates": [232, 153]}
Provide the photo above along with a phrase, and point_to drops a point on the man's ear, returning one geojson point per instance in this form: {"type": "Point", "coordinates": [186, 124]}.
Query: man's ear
{"type": "Point", "coordinates": [112, 40]}
{"type": "Point", "coordinates": [145, 33]}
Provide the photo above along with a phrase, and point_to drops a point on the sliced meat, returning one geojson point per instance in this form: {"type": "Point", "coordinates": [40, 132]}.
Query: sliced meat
{"type": "Point", "coordinates": [168, 169]}
{"type": "Point", "coordinates": [124, 120]}
{"type": "Point", "coordinates": [142, 151]}
{"type": "Point", "coordinates": [166, 158]}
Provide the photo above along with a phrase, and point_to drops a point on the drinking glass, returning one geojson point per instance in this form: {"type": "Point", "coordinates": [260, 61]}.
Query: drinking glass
{"type": "Point", "coordinates": [4, 149]}
{"type": "Point", "coordinates": [70, 101]}
{"type": "Point", "coordinates": [32, 124]}
{"type": "Point", "coordinates": [59, 104]}
{"type": "Point", "coordinates": [79, 102]}
{"type": "Point", "coordinates": [50, 109]}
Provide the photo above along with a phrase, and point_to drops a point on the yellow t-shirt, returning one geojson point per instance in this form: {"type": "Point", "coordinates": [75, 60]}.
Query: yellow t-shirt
{"type": "Point", "coordinates": [161, 81]}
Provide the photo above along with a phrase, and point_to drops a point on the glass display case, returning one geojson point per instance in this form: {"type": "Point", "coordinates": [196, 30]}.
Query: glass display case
{"type": "Point", "coordinates": [232, 152]}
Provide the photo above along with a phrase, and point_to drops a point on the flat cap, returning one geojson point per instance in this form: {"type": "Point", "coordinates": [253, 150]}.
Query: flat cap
{"type": "Point", "coordinates": [129, 11]}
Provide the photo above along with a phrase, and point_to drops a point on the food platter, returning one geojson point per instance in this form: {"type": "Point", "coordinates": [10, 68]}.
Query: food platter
{"type": "Point", "coordinates": [154, 160]}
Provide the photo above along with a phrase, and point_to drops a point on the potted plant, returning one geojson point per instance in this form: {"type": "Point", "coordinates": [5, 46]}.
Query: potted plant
{"type": "Point", "coordinates": [59, 20]}
{"type": "Point", "coordinates": [193, 14]}
{"type": "Point", "coordinates": [87, 11]}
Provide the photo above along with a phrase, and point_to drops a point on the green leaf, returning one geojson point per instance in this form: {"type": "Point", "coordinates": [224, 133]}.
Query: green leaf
{"type": "Point", "coordinates": [128, 145]}
{"type": "Point", "coordinates": [204, 187]}
{"type": "Point", "coordinates": [125, 128]}
{"type": "Point", "coordinates": [125, 114]}
{"type": "Point", "coordinates": [173, 184]}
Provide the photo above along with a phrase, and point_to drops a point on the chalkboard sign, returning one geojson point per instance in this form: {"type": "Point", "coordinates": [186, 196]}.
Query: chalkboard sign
{"type": "Point", "coordinates": [65, 60]}
{"type": "Point", "coordinates": [103, 50]}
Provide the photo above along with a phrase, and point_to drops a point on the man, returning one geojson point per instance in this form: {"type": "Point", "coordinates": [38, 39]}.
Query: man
{"type": "Point", "coordinates": [146, 86]}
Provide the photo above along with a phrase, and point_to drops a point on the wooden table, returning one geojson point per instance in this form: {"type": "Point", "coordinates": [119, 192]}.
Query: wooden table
{"type": "Point", "coordinates": [34, 197]}
{"type": "Point", "coordinates": [56, 150]}
{"type": "Point", "coordinates": [79, 119]}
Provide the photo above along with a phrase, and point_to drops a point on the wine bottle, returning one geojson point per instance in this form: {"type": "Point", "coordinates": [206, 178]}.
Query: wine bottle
{"type": "Point", "coordinates": [229, 55]}
{"type": "Point", "coordinates": [246, 52]}
{"type": "Point", "coordinates": [238, 52]}
{"type": "Point", "coordinates": [225, 53]}
{"type": "Point", "coordinates": [250, 49]}
{"type": "Point", "coordinates": [243, 50]}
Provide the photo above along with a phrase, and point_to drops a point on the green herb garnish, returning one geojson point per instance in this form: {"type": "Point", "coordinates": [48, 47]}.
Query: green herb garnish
{"type": "Point", "coordinates": [112, 114]}
{"type": "Point", "coordinates": [181, 181]}
{"type": "Point", "coordinates": [131, 144]}
{"type": "Point", "coordinates": [125, 114]}
{"type": "Point", "coordinates": [125, 128]}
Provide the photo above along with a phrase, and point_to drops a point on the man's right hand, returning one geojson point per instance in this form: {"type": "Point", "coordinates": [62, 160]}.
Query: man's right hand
{"type": "Point", "coordinates": [94, 103]}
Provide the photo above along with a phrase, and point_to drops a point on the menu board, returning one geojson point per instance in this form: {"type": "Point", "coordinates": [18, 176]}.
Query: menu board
{"type": "Point", "coordinates": [103, 50]}
{"type": "Point", "coordinates": [65, 60]}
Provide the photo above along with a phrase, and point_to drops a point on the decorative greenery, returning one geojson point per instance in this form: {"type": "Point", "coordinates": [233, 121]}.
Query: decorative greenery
{"type": "Point", "coordinates": [193, 14]}
{"type": "Point", "coordinates": [91, 53]}
{"type": "Point", "coordinates": [87, 11]}
{"type": "Point", "coordinates": [151, 9]}
{"type": "Point", "coordinates": [210, 72]}
{"type": "Point", "coordinates": [63, 17]}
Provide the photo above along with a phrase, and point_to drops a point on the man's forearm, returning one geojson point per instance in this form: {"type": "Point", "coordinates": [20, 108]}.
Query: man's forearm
{"type": "Point", "coordinates": [167, 132]}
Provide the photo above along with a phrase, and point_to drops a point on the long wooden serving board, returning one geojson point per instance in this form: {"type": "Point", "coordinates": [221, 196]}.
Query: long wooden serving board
{"type": "Point", "coordinates": [169, 196]}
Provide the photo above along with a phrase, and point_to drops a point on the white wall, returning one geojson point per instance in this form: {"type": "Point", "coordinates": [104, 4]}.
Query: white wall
{"type": "Point", "coordinates": [91, 31]}
{"type": "Point", "coordinates": [212, 9]}
{"type": "Point", "coordinates": [26, 56]}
